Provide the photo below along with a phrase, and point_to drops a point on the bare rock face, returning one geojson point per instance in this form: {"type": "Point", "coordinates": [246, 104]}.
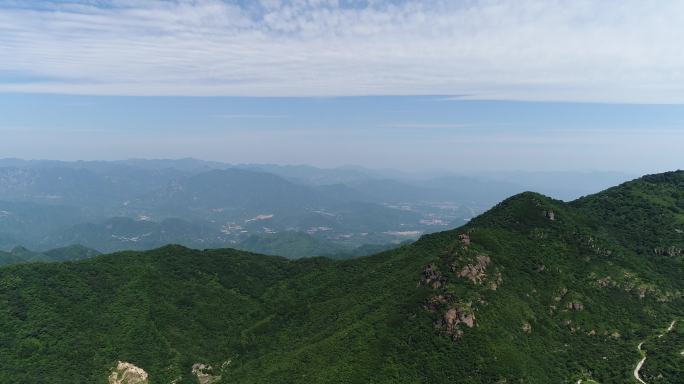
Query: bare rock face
{"type": "Point", "coordinates": [575, 306]}
{"type": "Point", "coordinates": [468, 320]}
{"type": "Point", "coordinates": [561, 294]}
{"type": "Point", "coordinates": [550, 215]}
{"type": "Point", "coordinates": [669, 251]}
{"type": "Point", "coordinates": [493, 285]}
{"type": "Point", "coordinates": [605, 282]}
{"type": "Point", "coordinates": [596, 246]}
{"type": "Point", "coordinates": [201, 371]}
{"type": "Point", "coordinates": [464, 239]}
{"type": "Point", "coordinates": [450, 322]}
{"type": "Point", "coordinates": [476, 272]}
{"type": "Point", "coordinates": [434, 302]}
{"type": "Point", "coordinates": [127, 373]}
{"type": "Point", "coordinates": [642, 292]}
{"type": "Point", "coordinates": [432, 277]}
{"type": "Point", "coordinates": [526, 327]}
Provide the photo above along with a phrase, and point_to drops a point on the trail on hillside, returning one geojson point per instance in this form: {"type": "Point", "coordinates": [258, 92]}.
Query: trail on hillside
{"type": "Point", "coordinates": [640, 364]}
{"type": "Point", "coordinates": [643, 353]}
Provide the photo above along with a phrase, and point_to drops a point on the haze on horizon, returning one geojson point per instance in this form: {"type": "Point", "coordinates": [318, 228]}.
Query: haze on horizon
{"type": "Point", "coordinates": [434, 84]}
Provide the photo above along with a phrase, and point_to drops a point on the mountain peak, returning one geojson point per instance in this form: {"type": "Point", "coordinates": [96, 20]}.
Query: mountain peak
{"type": "Point", "coordinates": [523, 209]}
{"type": "Point", "coordinates": [672, 177]}
{"type": "Point", "coordinates": [20, 250]}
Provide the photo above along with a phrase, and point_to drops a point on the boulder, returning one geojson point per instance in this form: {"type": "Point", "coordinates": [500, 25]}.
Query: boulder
{"type": "Point", "coordinates": [203, 375]}
{"type": "Point", "coordinates": [127, 373]}
{"type": "Point", "coordinates": [476, 272]}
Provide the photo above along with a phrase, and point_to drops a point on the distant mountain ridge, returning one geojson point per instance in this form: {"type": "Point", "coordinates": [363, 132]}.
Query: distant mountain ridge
{"type": "Point", "coordinates": [20, 255]}
{"type": "Point", "coordinates": [534, 290]}
{"type": "Point", "coordinates": [143, 204]}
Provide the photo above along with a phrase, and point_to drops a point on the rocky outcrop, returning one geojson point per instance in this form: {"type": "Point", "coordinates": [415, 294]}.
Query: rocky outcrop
{"type": "Point", "coordinates": [561, 294]}
{"type": "Point", "coordinates": [642, 292]}
{"type": "Point", "coordinates": [203, 373]}
{"type": "Point", "coordinates": [127, 373]}
{"type": "Point", "coordinates": [493, 285]}
{"type": "Point", "coordinates": [464, 239]}
{"type": "Point", "coordinates": [431, 277]}
{"type": "Point", "coordinates": [605, 282]}
{"type": "Point", "coordinates": [575, 306]}
{"type": "Point", "coordinates": [435, 301]}
{"type": "Point", "coordinates": [476, 272]}
{"type": "Point", "coordinates": [594, 245]}
{"type": "Point", "coordinates": [451, 321]}
{"type": "Point", "coordinates": [668, 251]}
{"type": "Point", "coordinates": [551, 215]}
{"type": "Point", "coordinates": [526, 328]}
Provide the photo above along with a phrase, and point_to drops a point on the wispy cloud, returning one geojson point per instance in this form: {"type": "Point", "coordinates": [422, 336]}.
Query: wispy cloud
{"type": "Point", "coordinates": [250, 116]}
{"type": "Point", "coordinates": [426, 125]}
{"type": "Point", "coordinates": [608, 51]}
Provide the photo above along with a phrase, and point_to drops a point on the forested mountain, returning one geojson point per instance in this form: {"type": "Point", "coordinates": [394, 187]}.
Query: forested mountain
{"type": "Point", "coordinates": [535, 290]}
{"type": "Point", "coordinates": [143, 204]}
{"type": "Point", "coordinates": [19, 255]}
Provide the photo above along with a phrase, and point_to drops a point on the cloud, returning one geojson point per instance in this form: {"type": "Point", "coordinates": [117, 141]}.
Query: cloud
{"type": "Point", "coordinates": [604, 51]}
{"type": "Point", "coordinates": [250, 116]}
{"type": "Point", "coordinates": [426, 125]}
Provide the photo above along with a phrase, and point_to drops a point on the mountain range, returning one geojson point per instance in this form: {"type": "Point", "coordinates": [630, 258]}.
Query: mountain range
{"type": "Point", "coordinates": [19, 255]}
{"type": "Point", "coordinates": [143, 204]}
{"type": "Point", "coordinates": [534, 290]}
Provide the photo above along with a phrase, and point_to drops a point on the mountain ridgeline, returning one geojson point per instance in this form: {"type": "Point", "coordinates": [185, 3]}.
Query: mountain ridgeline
{"type": "Point", "coordinates": [19, 255]}
{"type": "Point", "coordinates": [535, 290]}
{"type": "Point", "coordinates": [145, 204]}
{"type": "Point", "coordinates": [140, 205]}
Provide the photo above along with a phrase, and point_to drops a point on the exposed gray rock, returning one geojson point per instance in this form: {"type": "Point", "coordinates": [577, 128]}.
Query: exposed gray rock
{"type": "Point", "coordinates": [127, 373]}
{"type": "Point", "coordinates": [476, 272]}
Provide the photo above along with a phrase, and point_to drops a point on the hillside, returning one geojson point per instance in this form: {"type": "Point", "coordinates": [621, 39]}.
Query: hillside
{"type": "Point", "coordinates": [292, 245]}
{"type": "Point", "coordinates": [295, 245]}
{"type": "Point", "coordinates": [535, 291]}
{"type": "Point", "coordinates": [19, 255]}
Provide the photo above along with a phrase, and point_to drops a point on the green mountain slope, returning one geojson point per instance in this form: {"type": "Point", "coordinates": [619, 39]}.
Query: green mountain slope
{"type": "Point", "coordinates": [292, 245]}
{"type": "Point", "coordinates": [20, 255]}
{"type": "Point", "coordinates": [295, 245]}
{"type": "Point", "coordinates": [534, 291]}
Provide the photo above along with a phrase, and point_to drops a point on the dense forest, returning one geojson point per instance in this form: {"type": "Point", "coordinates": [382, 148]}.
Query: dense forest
{"type": "Point", "coordinates": [535, 290]}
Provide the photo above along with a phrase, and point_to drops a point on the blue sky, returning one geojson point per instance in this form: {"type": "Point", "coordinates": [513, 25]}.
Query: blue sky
{"type": "Point", "coordinates": [415, 133]}
{"type": "Point", "coordinates": [579, 85]}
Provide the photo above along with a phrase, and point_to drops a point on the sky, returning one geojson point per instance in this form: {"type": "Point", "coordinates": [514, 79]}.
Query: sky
{"type": "Point", "coordinates": [458, 85]}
